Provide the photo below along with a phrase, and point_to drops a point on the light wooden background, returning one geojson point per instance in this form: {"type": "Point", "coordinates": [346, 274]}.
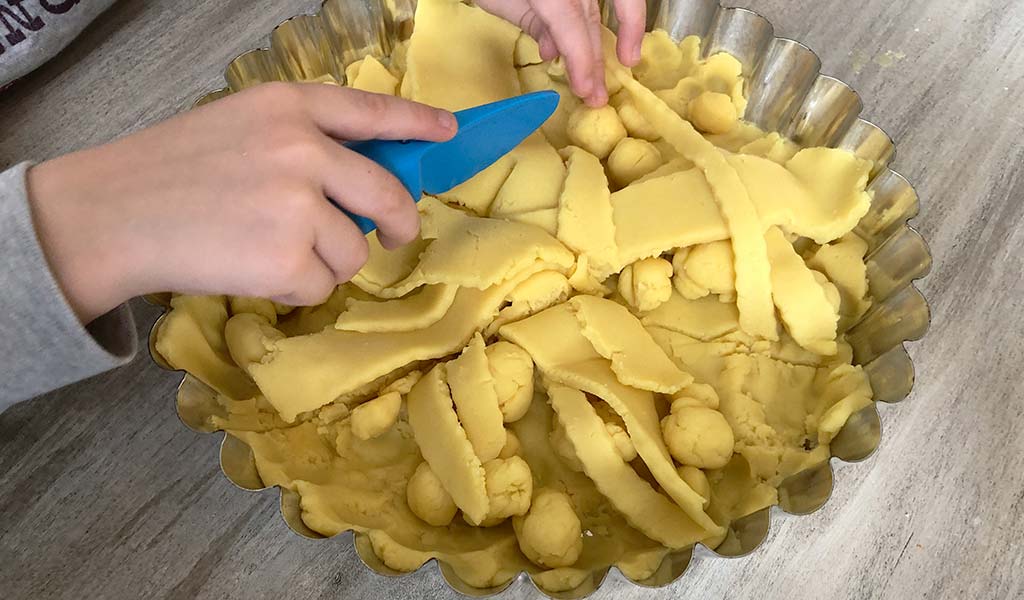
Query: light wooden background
{"type": "Point", "coordinates": [103, 493]}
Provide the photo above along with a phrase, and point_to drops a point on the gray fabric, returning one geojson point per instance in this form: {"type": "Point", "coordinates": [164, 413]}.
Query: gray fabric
{"type": "Point", "coordinates": [43, 345]}
{"type": "Point", "coordinates": [33, 31]}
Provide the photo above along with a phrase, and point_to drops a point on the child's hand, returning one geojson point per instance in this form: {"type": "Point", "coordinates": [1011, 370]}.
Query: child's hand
{"type": "Point", "coordinates": [572, 29]}
{"type": "Point", "coordinates": [230, 198]}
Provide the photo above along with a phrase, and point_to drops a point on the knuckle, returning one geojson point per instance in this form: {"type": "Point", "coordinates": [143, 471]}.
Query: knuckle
{"type": "Point", "coordinates": [290, 267]}
{"type": "Point", "coordinates": [358, 255]}
{"type": "Point", "coordinates": [292, 206]}
{"type": "Point", "coordinates": [376, 106]}
{"type": "Point", "coordinates": [278, 95]}
{"type": "Point", "coordinates": [315, 293]}
{"type": "Point", "coordinates": [298, 150]}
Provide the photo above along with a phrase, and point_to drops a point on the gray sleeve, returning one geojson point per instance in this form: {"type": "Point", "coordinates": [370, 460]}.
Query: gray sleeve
{"type": "Point", "coordinates": [42, 343]}
{"type": "Point", "coordinates": [36, 31]}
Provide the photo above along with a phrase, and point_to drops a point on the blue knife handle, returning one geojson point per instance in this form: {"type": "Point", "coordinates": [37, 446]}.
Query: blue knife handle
{"type": "Point", "coordinates": [401, 159]}
{"type": "Point", "coordinates": [486, 133]}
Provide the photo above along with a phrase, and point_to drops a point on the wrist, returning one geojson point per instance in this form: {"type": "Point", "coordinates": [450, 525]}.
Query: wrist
{"type": "Point", "coordinates": [72, 219]}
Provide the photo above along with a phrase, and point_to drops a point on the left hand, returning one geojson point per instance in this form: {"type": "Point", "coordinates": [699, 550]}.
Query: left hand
{"type": "Point", "coordinates": [572, 29]}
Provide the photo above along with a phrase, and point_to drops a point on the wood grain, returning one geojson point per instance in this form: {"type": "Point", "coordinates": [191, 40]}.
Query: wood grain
{"type": "Point", "coordinates": [104, 494]}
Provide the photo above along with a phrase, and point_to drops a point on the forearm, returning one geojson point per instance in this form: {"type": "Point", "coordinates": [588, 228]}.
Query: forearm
{"type": "Point", "coordinates": [42, 340]}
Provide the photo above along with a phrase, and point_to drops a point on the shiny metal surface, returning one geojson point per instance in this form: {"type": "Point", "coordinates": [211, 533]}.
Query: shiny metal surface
{"type": "Point", "coordinates": [786, 93]}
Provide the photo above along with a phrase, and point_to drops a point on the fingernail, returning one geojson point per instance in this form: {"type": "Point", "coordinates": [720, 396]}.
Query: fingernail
{"type": "Point", "coordinates": [447, 120]}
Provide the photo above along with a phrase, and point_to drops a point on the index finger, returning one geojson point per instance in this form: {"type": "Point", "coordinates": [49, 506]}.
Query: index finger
{"type": "Point", "coordinates": [569, 24]}
{"type": "Point", "coordinates": [632, 17]}
{"type": "Point", "coordinates": [349, 114]}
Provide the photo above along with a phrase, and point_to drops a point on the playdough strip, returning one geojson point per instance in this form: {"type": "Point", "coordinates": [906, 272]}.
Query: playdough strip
{"type": "Point", "coordinates": [805, 309]}
{"type": "Point", "coordinates": [818, 194]}
{"type": "Point", "coordinates": [687, 213]}
{"type": "Point", "coordinates": [374, 77]}
{"type": "Point", "coordinates": [454, 42]}
{"type": "Point", "coordinates": [418, 311]}
{"type": "Point", "coordinates": [753, 280]}
{"type": "Point", "coordinates": [585, 220]}
{"type": "Point", "coordinates": [705, 319]}
{"type": "Point", "coordinates": [445, 446]}
{"type": "Point", "coordinates": [619, 337]}
{"type": "Point", "coordinates": [304, 373]}
{"type": "Point", "coordinates": [478, 252]}
{"type": "Point", "coordinates": [384, 268]}
{"type": "Point", "coordinates": [674, 211]}
{"type": "Point", "coordinates": [559, 349]}
{"type": "Point", "coordinates": [476, 402]}
{"type": "Point", "coordinates": [644, 508]}
{"type": "Point", "coordinates": [535, 181]}
{"type": "Point", "coordinates": [191, 338]}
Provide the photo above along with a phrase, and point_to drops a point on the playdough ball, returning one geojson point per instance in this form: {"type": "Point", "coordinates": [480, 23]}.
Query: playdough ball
{"type": "Point", "coordinates": [428, 499]}
{"type": "Point", "coordinates": [636, 125]}
{"type": "Point", "coordinates": [710, 266]}
{"type": "Point", "coordinates": [695, 394]}
{"type": "Point", "coordinates": [256, 306]}
{"type": "Point", "coordinates": [249, 337]}
{"type": "Point", "coordinates": [509, 484]}
{"type": "Point", "coordinates": [698, 482]}
{"type": "Point", "coordinates": [550, 533]}
{"type": "Point", "coordinates": [646, 284]}
{"type": "Point", "coordinates": [699, 437]}
{"type": "Point", "coordinates": [632, 159]}
{"type": "Point", "coordinates": [511, 447]}
{"type": "Point", "coordinates": [712, 112]}
{"type": "Point", "coordinates": [371, 419]}
{"type": "Point", "coordinates": [512, 371]}
{"type": "Point", "coordinates": [596, 130]}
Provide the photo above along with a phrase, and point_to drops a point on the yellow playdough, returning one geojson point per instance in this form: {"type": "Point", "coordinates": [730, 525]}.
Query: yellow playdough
{"type": "Point", "coordinates": [647, 510]}
{"type": "Point", "coordinates": [580, 352]}
{"type": "Point", "coordinates": [646, 284]}
{"type": "Point", "coordinates": [372, 418]}
{"type": "Point", "coordinates": [585, 221]}
{"type": "Point", "coordinates": [619, 337]}
{"type": "Point", "coordinates": [753, 283]}
{"type": "Point", "coordinates": [713, 112]}
{"type": "Point", "coordinates": [420, 309]}
{"type": "Point", "coordinates": [631, 159]}
{"type": "Point", "coordinates": [476, 402]}
{"type": "Point", "coordinates": [445, 445]}
{"type": "Point", "coordinates": [550, 533]}
{"type": "Point", "coordinates": [804, 301]}
{"type": "Point", "coordinates": [512, 372]}
{"type": "Point", "coordinates": [372, 76]}
{"type": "Point", "coordinates": [428, 499]}
{"type": "Point", "coordinates": [596, 130]}
{"type": "Point", "coordinates": [556, 341]}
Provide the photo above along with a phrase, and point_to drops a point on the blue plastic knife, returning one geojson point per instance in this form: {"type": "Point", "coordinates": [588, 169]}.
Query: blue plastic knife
{"type": "Point", "coordinates": [486, 133]}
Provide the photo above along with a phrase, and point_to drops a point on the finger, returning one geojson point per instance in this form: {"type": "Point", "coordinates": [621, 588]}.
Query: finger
{"type": "Point", "coordinates": [348, 114]}
{"type": "Point", "coordinates": [513, 11]}
{"type": "Point", "coordinates": [599, 97]}
{"type": "Point", "coordinates": [548, 50]}
{"type": "Point", "coordinates": [339, 243]}
{"type": "Point", "coordinates": [314, 283]}
{"type": "Point", "coordinates": [363, 187]}
{"type": "Point", "coordinates": [632, 17]}
{"type": "Point", "coordinates": [567, 23]}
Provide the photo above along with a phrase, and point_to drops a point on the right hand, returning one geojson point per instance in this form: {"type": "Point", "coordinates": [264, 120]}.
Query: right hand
{"type": "Point", "coordinates": [572, 29]}
{"type": "Point", "coordinates": [230, 198]}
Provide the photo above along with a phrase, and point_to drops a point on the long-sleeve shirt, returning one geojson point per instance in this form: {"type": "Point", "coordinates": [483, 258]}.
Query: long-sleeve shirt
{"type": "Point", "coordinates": [43, 344]}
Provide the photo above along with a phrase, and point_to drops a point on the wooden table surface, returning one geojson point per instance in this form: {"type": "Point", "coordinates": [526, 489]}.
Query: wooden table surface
{"type": "Point", "coordinates": [104, 494]}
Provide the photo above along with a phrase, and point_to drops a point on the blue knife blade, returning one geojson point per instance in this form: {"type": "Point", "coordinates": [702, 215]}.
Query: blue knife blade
{"type": "Point", "coordinates": [486, 133]}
